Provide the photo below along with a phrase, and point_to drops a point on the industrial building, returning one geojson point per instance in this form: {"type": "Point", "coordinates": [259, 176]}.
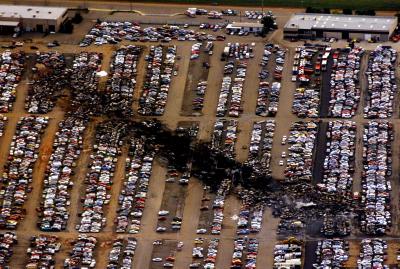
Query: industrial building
{"type": "Point", "coordinates": [310, 26]}
{"type": "Point", "coordinates": [16, 18]}
{"type": "Point", "coordinates": [251, 27]}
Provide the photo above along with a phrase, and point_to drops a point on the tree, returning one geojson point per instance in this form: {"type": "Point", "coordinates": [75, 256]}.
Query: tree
{"type": "Point", "coordinates": [327, 11]}
{"type": "Point", "coordinates": [347, 11]}
{"type": "Point", "coordinates": [77, 18]}
{"type": "Point", "coordinates": [268, 24]}
{"type": "Point", "coordinates": [369, 12]}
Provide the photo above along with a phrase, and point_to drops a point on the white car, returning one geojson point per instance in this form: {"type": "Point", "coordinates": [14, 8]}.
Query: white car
{"type": "Point", "coordinates": [283, 154]}
{"type": "Point", "coordinates": [284, 138]}
{"type": "Point", "coordinates": [281, 163]}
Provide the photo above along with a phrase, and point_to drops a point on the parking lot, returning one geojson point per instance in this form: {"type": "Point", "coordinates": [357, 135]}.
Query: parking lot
{"type": "Point", "coordinates": [107, 175]}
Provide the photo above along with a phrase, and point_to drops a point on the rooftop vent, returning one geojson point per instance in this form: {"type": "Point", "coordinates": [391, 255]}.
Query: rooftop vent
{"type": "Point", "coordinates": [29, 9]}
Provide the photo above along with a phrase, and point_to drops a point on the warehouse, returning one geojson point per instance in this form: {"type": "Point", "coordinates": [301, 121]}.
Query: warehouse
{"type": "Point", "coordinates": [249, 27]}
{"type": "Point", "coordinates": [310, 26]}
{"type": "Point", "coordinates": [15, 18]}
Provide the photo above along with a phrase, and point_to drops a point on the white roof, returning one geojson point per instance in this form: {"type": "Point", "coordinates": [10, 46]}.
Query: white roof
{"type": "Point", "coordinates": [29, 12]}
{"type": "Point", "coordinates": [247, 24]}
{"type": "Point", "coordinates": [9, 23]}
{"type": "Point", "coordinates": [339, 22]}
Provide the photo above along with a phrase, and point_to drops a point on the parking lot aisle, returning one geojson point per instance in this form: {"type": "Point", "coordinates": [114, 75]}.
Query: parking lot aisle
{"type": "Point", "coordinates": [19, 257]}
{"type": "Point", "coordinates": [141, 73]}
{"type": "Point", "coordinates": [354, 252]}
{"type": "Point", "coordinates": [393, 247]}
{"type": "Point", "coordinates": [358, 167]}
{"type": "Point", "coordinates": [363, 86]}
{"type": "Point", "coordinates": [191, 212]}
{"type": "Point", "coordinates": [214, 82]}
{"type": "Point", "coordinates": [228, 233]}
{"type": "Point", "coordinates": [177, 88]}
{"type": "Point", "coordinates": [78, 189]}
{"type": "Point", "coordinates": [118, 181]}
{"type": "Point", "coordinates": [34, 198]}
{"type": "Point", "coordinates": [189, 223]}
{"type": "Point", "coordinates": [143, 253]}
{"type": "Point", "coordinates": [243, 139]}
{"type": "Point", "coordinates": [267, 238]}
{"type": "Point", "coordinates": [250, 87]}
{"type": "Point", "coordinates": [284, 118]}
{"type": "Point", "coordinates": [153, 201]}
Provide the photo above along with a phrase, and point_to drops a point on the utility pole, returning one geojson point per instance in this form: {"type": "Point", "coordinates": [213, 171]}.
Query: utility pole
{"type": "Point", "coordinates": [262, 7]}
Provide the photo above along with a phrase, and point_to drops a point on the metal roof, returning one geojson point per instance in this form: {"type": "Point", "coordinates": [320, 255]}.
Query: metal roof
{"type": "Point", "coordinates": [30, 12]}
{"type": "Point", "coordinates": [316, 21]}
{"type": "Point", "coordinates": [9, 23]}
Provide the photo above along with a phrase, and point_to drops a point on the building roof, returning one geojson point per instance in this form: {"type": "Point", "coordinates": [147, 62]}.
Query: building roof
{"type": "Point", "coordinates": [246, 24]}
{"type": "Point", "coordinates": [9, 23]}
{"type": "Point", "coordinates": [29, 12]}
{"type": "Point", "coordinates": [339, 22]}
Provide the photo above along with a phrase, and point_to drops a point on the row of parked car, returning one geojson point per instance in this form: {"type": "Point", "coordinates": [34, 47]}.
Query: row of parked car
{"type": "Point", "coordinates": [345, 90]}
{"type": "Point", "coordinates": [306, 102]}
{"type": "Point", "coordinates": [377, 161]}
{"type": "Point", "coordinates": [67, 146]}
{"type": "Point", "coordinates": [121, 254]}
{"type": "Point", "coordinates": [268, 97]}
{"type": "Point", "coordinates": [17, 174]}
{"type": "Point", "coordinates": [301, 146]}
{"type": "Point", "coordinates": [99, 178]}
{"type": "Point", "coordinates": [339, 159]}
{"type": "Point", "coordinates": [260, 146]}
{"type": "Point", "coordinates": [198, 102]}
{"type": "Point", "coordinates": [382, 85]}
{"type": "Point", "coordinates": [11, 69]}
{"type": "Point", "coordinates": [224, 137]}
{"type": "Point", "coordinates": [331, 253]}
{"type": "Point", "coordinates": [115, 32]}
{"type": "Point", "coordinates": [211, 256]}
{"type": "Point", "coordinates": [42, 250]}
{"type": "Point", "coordinates": [133, 195]}
{"type": "Point", "coordinates": [84, 82]}
{"type": "Point", "coordinates": [372, 254]}
{"type": "Point", "coordinates": [307, 96]}
{"type": "Point", "coordinates": [160, 68]}
{"type": "Point", "coordinates": [218, 206]}
{"type": "Point", "coordinates": [49, 79]}
{"type": "Point", "coordinates": [82, 254]}
{"type": "Point", "coordinates": [122, 78]}
{"type": "Point", "coordinates": [288, 254]}
{"type": "Point", "coordinates": [8, 241]}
